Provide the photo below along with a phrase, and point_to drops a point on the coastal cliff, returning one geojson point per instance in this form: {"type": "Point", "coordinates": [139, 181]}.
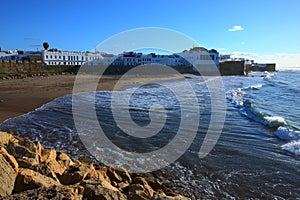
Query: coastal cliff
{"type": "Point", "coordinates": [29, 170]}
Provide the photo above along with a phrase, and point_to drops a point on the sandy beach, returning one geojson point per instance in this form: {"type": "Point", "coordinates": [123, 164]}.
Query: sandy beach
{"type": "Point", "coordinates": [19, 96]}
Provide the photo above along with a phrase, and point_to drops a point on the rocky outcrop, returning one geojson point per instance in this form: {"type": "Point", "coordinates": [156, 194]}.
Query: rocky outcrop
{"type": "Point", "coordinates": [29, 170]}
{"type": "Point", "coordinates": [7, 177]}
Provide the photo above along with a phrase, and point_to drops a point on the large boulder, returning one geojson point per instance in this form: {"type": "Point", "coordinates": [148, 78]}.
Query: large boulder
{"type": "Point", "coordinates": [75, 174]}
{"type": "Point", "coordinates": [28, 179]}
{"type": "Point", "coordinates": [9, 158]}
{"type": "Point", "coordinates": [47, 155]}
{"type": "Point", "coordinates": [60, 164]}
{"type": "Point", "coordinates": [25, 152]}
{"type": "Point", "coordinates": [45, 170]}
{"type": "Point", "coordinates": [5, 138]}
{"type": "Point", "coordinates": [7, 177]}
{"type": "Point", "coordinates": [97, 191]}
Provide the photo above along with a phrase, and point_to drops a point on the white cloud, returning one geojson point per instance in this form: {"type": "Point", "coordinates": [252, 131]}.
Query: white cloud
{"type": "Point", "coordinates": [222, 49]}
{"type": "Point", "coordinates": [236, 28]}
{"type": "Point", "coordinates": [282, 60]}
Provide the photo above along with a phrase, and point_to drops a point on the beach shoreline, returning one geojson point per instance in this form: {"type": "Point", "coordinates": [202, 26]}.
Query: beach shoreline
{"type": "Point", "coordinates": [20, 96]}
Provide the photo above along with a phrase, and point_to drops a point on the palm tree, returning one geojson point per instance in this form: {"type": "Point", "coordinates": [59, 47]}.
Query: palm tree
{"type": "Point", "coordinates": [45, 45]}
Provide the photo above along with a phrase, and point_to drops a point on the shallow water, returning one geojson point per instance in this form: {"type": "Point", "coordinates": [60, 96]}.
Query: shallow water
{"type": "Point", "coordinates": [257, 154]}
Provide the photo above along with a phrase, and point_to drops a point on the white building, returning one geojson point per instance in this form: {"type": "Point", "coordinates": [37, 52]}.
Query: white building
{"type": "Point", "coordinates": [59, 57]}
{"type": "Point", "coordinates": [93, 58]}
{"type": "Point", "coordinates": [201, 57]}
{"type": "Point", "coordinates": [10, 55]}
{"type": "Point", "coordinates": [110, 59]}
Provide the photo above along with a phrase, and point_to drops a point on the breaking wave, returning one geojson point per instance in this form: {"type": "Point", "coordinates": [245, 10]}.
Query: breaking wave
{"type": "Point", "coordinates": [249, 108]}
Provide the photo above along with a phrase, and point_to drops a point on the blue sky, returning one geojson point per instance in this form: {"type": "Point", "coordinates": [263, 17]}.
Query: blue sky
{"type": "Point", "coordinates": [270, 29]}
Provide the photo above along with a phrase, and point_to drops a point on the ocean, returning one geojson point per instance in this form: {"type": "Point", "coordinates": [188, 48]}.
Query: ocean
{"type": "Point", "coordinates": [256, 156]}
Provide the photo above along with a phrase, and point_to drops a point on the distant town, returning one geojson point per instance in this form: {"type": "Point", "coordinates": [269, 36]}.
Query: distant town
{"type": "Point", "coordinates": [194, 57]}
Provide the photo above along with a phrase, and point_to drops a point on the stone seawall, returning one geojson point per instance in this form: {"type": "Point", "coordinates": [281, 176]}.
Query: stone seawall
{"type": "Point", "coordinates": [37, 67]}
{"type": "Point", "coordinates": [230, 68]}
{"type": "Point", "coordinates": [271, 67]}
{"type": "Point", "coordinates": [34, 67]}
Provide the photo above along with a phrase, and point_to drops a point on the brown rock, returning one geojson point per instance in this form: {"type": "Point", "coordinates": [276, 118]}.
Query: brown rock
{"type": "Point", "coordinates": [155, 184]}
{"type": "Point", "coordinates": [53, 193]}
{"type": "Point", "coordinates": [124, 174]}
{"type": "Point", "coordinates": [74, 174]}
{"type": "Point", "coordinates": [7, 177]}
{"type": "Point", "coordinates": [123, 185]}
{"type": "Point", "coordinates": [28, 179]}
{"type": "Point", "coordinates": [101, 173]}
{"type": "Point", "coordinates": [56, 167]}
{"type": "Point", "coordinates": [5, 138]}
{"type": "Point", "coordinates": [64, 160]}
{"type": "Point", "coordinates": [137, 191]}
{"type": "Point", "coordinates": [47, 155]}
{"type": "Point", "coordinates": [142, 181]}
{"type": "Point", "coordinates": [9, 158]}
{"type": "Point", "coordinates": [26, 162]}
{"type": "Point", "coordinates": [39, 148]}
{"type": "Point", "coordinates": [113, 175]}
{"type": "Point", "coordinates": [165, 197]}
{"type": "Point", "coordinates": [62, 156]}
{"type": "Point", "coordinates": [25, 152]}
{"type": "Point", "coordinates": [99, 182]}
{"type": "Point", "coordinates": [96, 191]}
{"type": "Point", "coordinates": [45, 170]}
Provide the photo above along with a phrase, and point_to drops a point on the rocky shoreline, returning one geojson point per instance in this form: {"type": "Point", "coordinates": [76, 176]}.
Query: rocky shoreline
{"type": "Point", "coordinates": [30, 171]}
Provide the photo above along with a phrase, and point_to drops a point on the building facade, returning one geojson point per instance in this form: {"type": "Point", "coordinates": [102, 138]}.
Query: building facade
{"type": "Point", "coordinates": [59, 57]}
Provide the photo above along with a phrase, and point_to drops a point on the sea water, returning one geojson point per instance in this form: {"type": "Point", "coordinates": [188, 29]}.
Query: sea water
{"type": "Point", "coordinates": [257, 154]}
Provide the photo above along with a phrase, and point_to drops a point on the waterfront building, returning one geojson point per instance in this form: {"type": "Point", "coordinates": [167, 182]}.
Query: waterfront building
{"type": "Point", "coordinates": [59, 57]}
{"type": "Point", "coordinates": [10, 55]}
{"type": "Point", "coordinates": [93, 58]}
{"type": "Point", "coordinates": [199, 56]}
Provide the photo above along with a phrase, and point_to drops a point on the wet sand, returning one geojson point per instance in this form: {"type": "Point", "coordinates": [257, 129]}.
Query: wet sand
{"type": "Point", "coordinates": [19, 96]}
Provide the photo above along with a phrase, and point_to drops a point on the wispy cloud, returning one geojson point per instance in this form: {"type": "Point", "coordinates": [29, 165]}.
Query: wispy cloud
{"type": "Point", "coordinates": [222, 49]}
{"type": "Point", "coordinates": [31, 38]}
{"type": "Point", "coordinates": [236, 28]}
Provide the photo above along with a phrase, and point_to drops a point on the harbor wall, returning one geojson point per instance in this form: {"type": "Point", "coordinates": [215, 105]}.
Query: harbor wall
{"type": "Point", "coordinates": [230, 68]}
{"type": "Point", "coordinates": [270, 67]}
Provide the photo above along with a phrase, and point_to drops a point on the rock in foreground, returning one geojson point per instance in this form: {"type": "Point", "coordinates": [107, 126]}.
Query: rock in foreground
{"type": "Point", "coordinates": [29, 170]}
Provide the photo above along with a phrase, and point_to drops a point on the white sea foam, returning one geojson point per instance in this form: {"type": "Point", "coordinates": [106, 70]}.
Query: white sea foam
{"type": "Point", "coordinates": [285, 133]}
{"type": "Point", "coordinates": [236, 97]}
{"type": "Point", "coordinates": [292, 147]}
{"type": "Point", "coordinates": [275, 121]}
{"type": "Point", "coordinates": [256, 87]}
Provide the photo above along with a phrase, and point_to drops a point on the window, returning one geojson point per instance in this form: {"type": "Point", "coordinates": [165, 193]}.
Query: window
{"type": "Point", "coordinates": [64, 58]}
{"type": "Point", "coordinates": [59, 57]}
{"type": "Point", "coordinates": [51, 56]}
{"type": "Point", "coordinates": [55, 56]}
{"type": "Point", "coordinates": [47, 56]}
